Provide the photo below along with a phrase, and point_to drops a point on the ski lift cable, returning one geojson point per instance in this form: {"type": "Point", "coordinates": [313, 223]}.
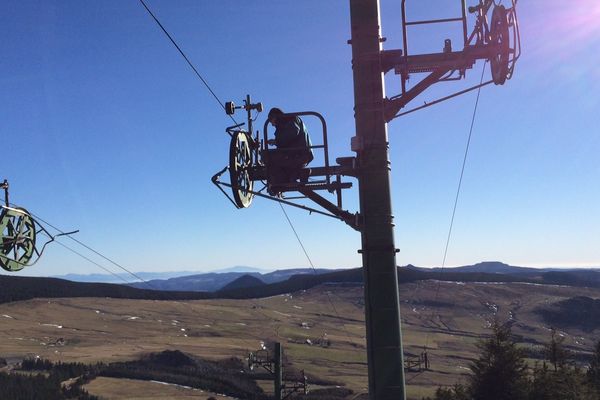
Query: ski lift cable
{"type": "Point", "coordinates": [92, 261]}
{"type": "Point", "coordinates": [95, 252]}
{"type": "Point", "coordinates": [315, 271]}
{"type": "Point", "coordinates": [222, 105]}
{"type": "Point", "coordinates": [456, 198]}
{"type": "Point", "coordinates": [246, 341]}
{"type": "Point", "coordinates": [462, 171]}
{"type": "Point", "coordinates": [185, 57]}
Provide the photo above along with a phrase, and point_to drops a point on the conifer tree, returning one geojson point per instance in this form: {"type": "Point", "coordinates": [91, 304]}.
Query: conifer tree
{"type": "Point", "coordinates": [560, 378]}
{"type": "Point", "coordinates": [457, 392]}
{"type": "Point", "coordinates": [500, 373]}
{"type": "Point", "coordinates": [556, 352]}
{"type": "Point", "coordinates": [593, 372]}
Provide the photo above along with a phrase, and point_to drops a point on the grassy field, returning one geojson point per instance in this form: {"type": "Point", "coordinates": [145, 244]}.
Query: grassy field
{"type": "Point", "coordinates": [448, 325]}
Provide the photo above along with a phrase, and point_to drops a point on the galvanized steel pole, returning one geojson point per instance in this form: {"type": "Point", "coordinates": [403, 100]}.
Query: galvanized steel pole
{"type": "Point", "coordinates": [382, 310]}
{"type": "Point", "coordinates": [278, 372]}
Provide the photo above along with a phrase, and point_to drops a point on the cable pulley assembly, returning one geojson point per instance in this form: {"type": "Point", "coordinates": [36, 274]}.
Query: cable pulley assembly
{"type": "Point", "coordinates": [494, 38]}
{"type": "Point", "coordinates": [19, 236]}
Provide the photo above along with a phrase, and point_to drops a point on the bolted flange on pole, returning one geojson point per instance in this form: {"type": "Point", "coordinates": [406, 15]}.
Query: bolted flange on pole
{"type": "Point", "coordinates": [382, 309]}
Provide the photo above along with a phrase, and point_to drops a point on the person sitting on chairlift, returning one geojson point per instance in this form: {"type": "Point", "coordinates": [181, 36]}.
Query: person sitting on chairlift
{"type": "Point", "coordinates": [285, 164]}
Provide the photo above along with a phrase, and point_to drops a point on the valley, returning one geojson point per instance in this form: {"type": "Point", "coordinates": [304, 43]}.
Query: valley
{"type": "Point", "coordinates": [321, 329]}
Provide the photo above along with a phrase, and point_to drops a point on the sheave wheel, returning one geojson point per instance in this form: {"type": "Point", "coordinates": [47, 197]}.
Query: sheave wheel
{"type": "Point", "coordinates": [18, 238]}
{"type": "Point", "coordinates": [240, 161]}
{"type": "Point", "coordinates": [500, 41]}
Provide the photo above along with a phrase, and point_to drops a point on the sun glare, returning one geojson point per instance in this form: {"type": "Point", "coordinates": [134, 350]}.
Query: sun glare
{"type": "Point", "coordinates": [564, 33]}
{"type": "Point", "coordinates": [581, 22]}
{"type": "Point", "coordinates": [572, 26]}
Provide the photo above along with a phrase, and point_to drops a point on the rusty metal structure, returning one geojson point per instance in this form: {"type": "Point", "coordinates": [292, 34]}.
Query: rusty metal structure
{"type": "Point", "coordinates": [19, 232]}
{"type": "Point", "coordinates": [248, 169]}
{"type": "Point", "coordinates": [490, 32]}
{"type": "Point", "coordinates": [273, 364]}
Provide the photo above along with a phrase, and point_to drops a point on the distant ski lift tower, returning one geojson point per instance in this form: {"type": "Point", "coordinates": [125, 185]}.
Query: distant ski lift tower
{"type": "Point", "coordinates": [496, 41]}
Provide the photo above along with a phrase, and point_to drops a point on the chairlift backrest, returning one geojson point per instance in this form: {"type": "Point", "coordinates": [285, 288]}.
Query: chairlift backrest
{"type": "Point", "coordinates": [324, 146]}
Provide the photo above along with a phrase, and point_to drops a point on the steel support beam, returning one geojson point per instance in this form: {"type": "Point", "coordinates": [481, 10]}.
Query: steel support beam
{"type": "Point", "coordinates": [278, 372]}
{"type": "Point", "coordinates": [382, 310]}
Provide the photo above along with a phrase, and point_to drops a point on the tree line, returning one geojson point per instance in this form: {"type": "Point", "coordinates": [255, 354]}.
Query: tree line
{"type": "Point", "coordinates": [501, 372]}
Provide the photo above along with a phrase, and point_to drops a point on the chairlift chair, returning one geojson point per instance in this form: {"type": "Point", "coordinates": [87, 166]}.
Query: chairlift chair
{"type": "Point", "coordinates": [249, 165]}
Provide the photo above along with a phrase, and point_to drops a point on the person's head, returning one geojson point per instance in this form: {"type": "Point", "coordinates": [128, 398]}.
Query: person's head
{"type": "Point", "coordinates": [274, 115]}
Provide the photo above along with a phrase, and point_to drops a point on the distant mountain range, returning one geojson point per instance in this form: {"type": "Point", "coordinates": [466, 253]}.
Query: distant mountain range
{"type": "Point", "coordinates": [497, 267]}
{"type": "Point", "coordinates": [213, 281]}
{"type": "Point", "coordinates": [255, 285]}
{"type": "Point", "coordinates": [147, 276]}
{"type": "Point", "coordinates": [220, 279]}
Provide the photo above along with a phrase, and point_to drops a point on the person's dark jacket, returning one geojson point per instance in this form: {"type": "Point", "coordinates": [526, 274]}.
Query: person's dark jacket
{"type": "Point", "coordinates": [291, 133]}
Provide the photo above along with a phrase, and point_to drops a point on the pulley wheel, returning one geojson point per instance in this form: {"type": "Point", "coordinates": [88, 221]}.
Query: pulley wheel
{"type": "Point", "coordinates": [18, 238]}
{"type": "Point", "coordinates": [240, 161]}
{"type": "Point", "coordinates": [500, 42]}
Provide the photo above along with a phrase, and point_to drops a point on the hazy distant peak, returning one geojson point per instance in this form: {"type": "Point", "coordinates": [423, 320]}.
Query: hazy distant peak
{"type": "Point", "coordinates": [240, 268]}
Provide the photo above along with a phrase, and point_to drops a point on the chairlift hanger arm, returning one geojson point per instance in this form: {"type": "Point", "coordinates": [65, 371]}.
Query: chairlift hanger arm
{"type": "Point", "coordinates": [347, 217]}
{"type": "Point", "coordinates": [393, 106]}
{"type": "Point", "coordinates": [338, 214]}
{"type": "Point", "coordinates": [434, 102]}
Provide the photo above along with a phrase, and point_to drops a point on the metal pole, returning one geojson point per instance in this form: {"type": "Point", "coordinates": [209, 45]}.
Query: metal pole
{"type": "Point", "coordinates": [382, 310]}
{"type": "Point", "coordinates": [278, 374]}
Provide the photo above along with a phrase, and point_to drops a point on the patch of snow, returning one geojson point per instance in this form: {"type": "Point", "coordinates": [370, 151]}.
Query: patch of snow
{"type": "Point", "coordinates": [54, 325]}
{"type": "Point", "coordinates": [132, 318]}
{"type": "Point", "coordinates": [298, 307]}
{"type": "Point", "coordinates": [7, 316]}
{"type": "Point", "coordinates": [280, 313]}
{"type": "Point", "coordinates": [174, 384]}
{"type": "Point", "coordinates": [240, 323]}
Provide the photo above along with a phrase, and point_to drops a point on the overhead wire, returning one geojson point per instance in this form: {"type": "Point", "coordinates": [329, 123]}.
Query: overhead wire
{"type": "Point", "coordinates": [94, 251]}
{"type": "Point", "coordinates": [197, 73]}
{"type": "Point", "coordinates": [456, 198]}
{"type": "Point", "coordinates": [261, 335]}
{"type": "Point", "coordinates": [170, 37]}
{"type": "Point", "coordinates": [92, 261]}
{"type": "Point", "coordinates": [315, 271]}
{"type": "Point", "coordinates": [185, 57]}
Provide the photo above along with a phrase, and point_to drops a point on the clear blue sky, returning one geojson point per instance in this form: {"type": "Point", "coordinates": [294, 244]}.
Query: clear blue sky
{"type": "Point", "coordinates": [105, 129]}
